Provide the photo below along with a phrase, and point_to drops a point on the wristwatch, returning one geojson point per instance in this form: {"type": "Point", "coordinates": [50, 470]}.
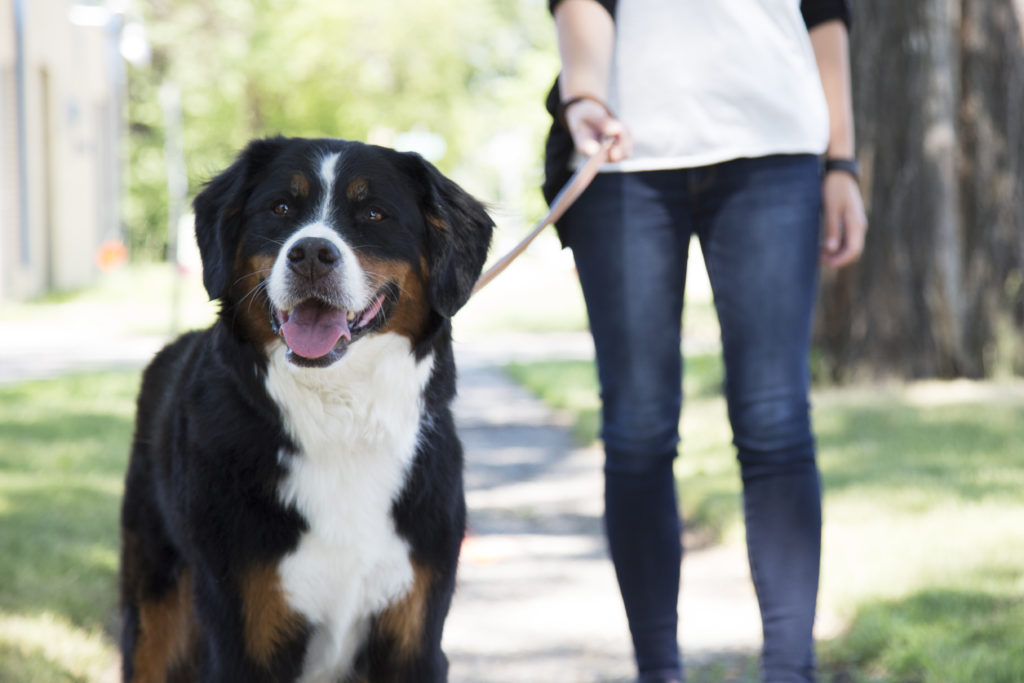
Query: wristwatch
{"type": "Point", "coordinates": [845, 165]}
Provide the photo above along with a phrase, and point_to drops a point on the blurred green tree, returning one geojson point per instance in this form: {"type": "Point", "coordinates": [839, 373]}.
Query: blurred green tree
{"type": "Point", "coordinates": [364, 71]}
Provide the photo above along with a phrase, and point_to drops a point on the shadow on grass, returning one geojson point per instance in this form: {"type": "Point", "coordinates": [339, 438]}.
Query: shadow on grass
{"type": "Point", "coordinates": [66, 443]}
{"type": "Point", "coordinates": [63, 451]}
{"type": "Point", "coordinates": [59, 544]}
{"type": "Point", "coordinates": [970, 452]}
{"type": "Point", "coordinates": [935, 635]}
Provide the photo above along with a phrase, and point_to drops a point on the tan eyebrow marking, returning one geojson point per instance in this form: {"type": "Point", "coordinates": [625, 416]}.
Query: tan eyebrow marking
{"type": "Point", "coordinates": [358, 190]}
{"type": "Point", "coordinates": [299, 185]}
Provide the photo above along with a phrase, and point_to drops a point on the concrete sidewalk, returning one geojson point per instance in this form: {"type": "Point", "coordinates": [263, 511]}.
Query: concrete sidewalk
{"type": "Point", "coordinates": [537, 598]}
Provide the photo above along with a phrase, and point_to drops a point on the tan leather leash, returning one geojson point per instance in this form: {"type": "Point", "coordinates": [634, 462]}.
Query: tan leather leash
{"type": "Point", "coordinates": [569, 193]}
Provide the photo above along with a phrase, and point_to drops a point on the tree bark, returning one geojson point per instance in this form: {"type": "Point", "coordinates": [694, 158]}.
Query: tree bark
{"type": "Point", "coordinates": [938, 88]}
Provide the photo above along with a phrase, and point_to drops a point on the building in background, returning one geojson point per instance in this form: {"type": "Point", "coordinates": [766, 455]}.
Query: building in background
{"type": "Point", "coordinates": [61, 86]}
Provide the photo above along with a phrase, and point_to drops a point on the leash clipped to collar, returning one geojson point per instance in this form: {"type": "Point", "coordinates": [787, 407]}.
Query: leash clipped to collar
{"type": "Point", "coordinates": [563, 200]}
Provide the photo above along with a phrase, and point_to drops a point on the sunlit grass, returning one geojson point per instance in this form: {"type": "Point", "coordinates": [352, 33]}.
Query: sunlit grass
{"type": "Point", "coordinates": [63, 450]}
{"type": "Point", "coordinates": [923, 559]}
{"type": "Point", "coordinates": [46, 647]}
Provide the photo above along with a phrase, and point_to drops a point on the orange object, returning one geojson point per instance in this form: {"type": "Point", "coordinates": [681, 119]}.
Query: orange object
{"type": "Point", "coordinates": [111, 255]}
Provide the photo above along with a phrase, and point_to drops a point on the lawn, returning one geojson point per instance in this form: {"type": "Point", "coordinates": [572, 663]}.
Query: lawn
{"type": "Point", "coordinates": [923, 560]}
{"type": "Point", "coordinates": [63, 450]}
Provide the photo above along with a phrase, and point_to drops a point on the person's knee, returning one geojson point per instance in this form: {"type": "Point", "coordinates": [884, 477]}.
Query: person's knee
{"type": "Point", "coordinates": [639, 451]}
{"type": "Point", "coordinates": [641, 425]}
{"type": "Point", "coordinates": [771, 423]}
{"type": "Point", "coordinates": [773, 433]}
{"type": "Point", "coordinates": [638, 462]}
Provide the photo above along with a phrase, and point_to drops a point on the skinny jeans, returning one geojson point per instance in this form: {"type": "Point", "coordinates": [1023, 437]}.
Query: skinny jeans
{"type": "Point", "coordinates": [758, 224]}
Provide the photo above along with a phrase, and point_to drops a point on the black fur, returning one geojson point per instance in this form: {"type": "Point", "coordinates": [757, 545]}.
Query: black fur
{"type": "Point", "coordinates": [201, 508]}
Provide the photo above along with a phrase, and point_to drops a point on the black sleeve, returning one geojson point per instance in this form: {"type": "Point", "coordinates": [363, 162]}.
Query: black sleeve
{"type": "Point", "coordinates": [819, 11]}
{"type": "Point", "coordinates": [607, 4]}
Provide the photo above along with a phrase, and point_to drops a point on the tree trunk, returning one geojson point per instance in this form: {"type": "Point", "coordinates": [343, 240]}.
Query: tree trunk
{"type": "Point", "coordinates": [938, 88]}
{"type": "Point", "coordinates": [992, 181]}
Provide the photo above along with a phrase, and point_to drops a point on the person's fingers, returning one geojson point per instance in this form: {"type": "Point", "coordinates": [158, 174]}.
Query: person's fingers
{"type": "Point", "coordinates": [623, 145]}
{"type": "Point", "coordinates": [845, 223]}
{"type": "Point", "coordinates": [589, 123]}
{"type": "Point", "coordinates": [832, 237]}
{"type": "Point", "coordinates": [854, 228]}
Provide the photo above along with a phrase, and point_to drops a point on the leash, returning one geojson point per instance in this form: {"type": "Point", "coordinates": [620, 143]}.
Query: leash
{"type": "Point", "coordinates": [569, 193]}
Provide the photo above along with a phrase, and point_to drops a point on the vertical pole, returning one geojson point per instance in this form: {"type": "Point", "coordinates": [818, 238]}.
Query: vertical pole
{"type": "Point", "coordinates": [177, 187]}
{"type": "Point", "coordinates": [22, 126]}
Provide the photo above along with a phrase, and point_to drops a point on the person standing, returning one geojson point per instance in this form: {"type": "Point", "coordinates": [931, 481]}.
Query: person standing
{"type": "Point", "coordinates": [732, 122]}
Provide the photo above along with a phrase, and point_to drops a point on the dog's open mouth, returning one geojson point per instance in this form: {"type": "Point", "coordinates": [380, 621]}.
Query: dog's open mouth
{"type": "Point", "coordinates": [316, 331]}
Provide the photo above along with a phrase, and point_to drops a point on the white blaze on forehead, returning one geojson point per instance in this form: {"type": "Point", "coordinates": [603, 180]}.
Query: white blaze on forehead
{"type": "Point", "coordinates": [327, 176]}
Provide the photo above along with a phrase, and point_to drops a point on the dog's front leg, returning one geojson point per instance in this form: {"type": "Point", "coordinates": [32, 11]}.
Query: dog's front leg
{"type": "Point", "coordinates": [249, 633]}
{"type": "Point", "coordinates": [405, 641]}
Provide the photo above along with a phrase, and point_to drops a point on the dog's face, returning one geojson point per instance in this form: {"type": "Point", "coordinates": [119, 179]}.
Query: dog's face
{"type": "Point", "coordinates": [324, 242]}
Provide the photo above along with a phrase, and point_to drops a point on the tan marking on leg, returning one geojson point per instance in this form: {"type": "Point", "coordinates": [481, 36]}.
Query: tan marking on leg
{"type": "Point", "coordinates": [404, 620]}
{"type": "Point", "coordinates": [167, 633]}
{"type": "Point", "coordinates": [268, 620]}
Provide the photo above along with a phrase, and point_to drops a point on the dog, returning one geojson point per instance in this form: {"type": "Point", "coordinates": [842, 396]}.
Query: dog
{"type": "Point", "coordinates": [294, 502]}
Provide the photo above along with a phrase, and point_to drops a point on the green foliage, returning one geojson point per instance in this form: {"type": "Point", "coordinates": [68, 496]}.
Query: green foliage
{"type": "Point", "coordinates": [338, 69]}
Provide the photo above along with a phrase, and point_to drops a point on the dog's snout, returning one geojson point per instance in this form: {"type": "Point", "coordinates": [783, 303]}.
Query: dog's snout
{"type": "Point", "coordinates": [313, 256]}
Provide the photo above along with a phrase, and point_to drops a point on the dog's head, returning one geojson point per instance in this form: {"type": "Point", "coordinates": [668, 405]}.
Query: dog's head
{"type": "Point", "coordinates": [324, 242]}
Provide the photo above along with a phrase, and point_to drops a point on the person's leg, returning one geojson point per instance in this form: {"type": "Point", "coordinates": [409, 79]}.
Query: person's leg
{"type": "Point", "coordinates": [759, 226]}
{"type": "Point", "coordinates": [630, 251]}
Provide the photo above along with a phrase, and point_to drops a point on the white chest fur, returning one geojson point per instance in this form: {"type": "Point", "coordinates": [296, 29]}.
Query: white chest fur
{"type": "Point", "coordinates": [356, 425]}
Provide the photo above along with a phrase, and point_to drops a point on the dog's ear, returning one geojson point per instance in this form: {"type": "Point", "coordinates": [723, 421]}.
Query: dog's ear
{"type": "Point", "coordinates": [219, 212]}
{"type": "Point", "coordinates": [458, 237]}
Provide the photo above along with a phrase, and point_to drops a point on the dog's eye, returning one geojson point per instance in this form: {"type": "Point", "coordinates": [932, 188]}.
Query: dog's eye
{"type": "Point", "coordinates": [374, 215]}
{"type": "Point", "coordinates": [281, 209]}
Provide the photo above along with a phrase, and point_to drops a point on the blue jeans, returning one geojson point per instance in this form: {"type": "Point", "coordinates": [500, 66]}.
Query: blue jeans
{"type": "Point", "coordinates": [758, 225]}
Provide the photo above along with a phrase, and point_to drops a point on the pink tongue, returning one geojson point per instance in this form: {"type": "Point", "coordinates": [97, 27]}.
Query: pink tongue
{"type": "Point", "coordinates": [313, 329]}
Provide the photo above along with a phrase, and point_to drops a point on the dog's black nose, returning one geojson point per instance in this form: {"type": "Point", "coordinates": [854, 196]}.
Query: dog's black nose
{"type": "Point", "coordinates": [313, 256]}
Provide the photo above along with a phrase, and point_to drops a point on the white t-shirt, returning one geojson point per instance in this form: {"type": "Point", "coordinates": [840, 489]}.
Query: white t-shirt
{"type": "Point", "coordinates": [698, 82]}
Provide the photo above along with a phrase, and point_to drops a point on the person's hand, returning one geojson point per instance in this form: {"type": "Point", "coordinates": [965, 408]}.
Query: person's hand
{"type": "Point", "coordinates": [589, 122]}
{"type": "Point", "coordinates": [846, 224]}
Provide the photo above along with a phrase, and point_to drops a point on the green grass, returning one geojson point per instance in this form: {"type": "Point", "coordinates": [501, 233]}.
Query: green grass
{"type": "Point", "coordinates": [923, 560]}
{"type": "Point", "coordinates": [63, 450]}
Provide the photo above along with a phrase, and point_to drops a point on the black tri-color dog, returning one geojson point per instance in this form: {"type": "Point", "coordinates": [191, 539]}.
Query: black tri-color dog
{"type": "Point", "coordinates": [294, 503]}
